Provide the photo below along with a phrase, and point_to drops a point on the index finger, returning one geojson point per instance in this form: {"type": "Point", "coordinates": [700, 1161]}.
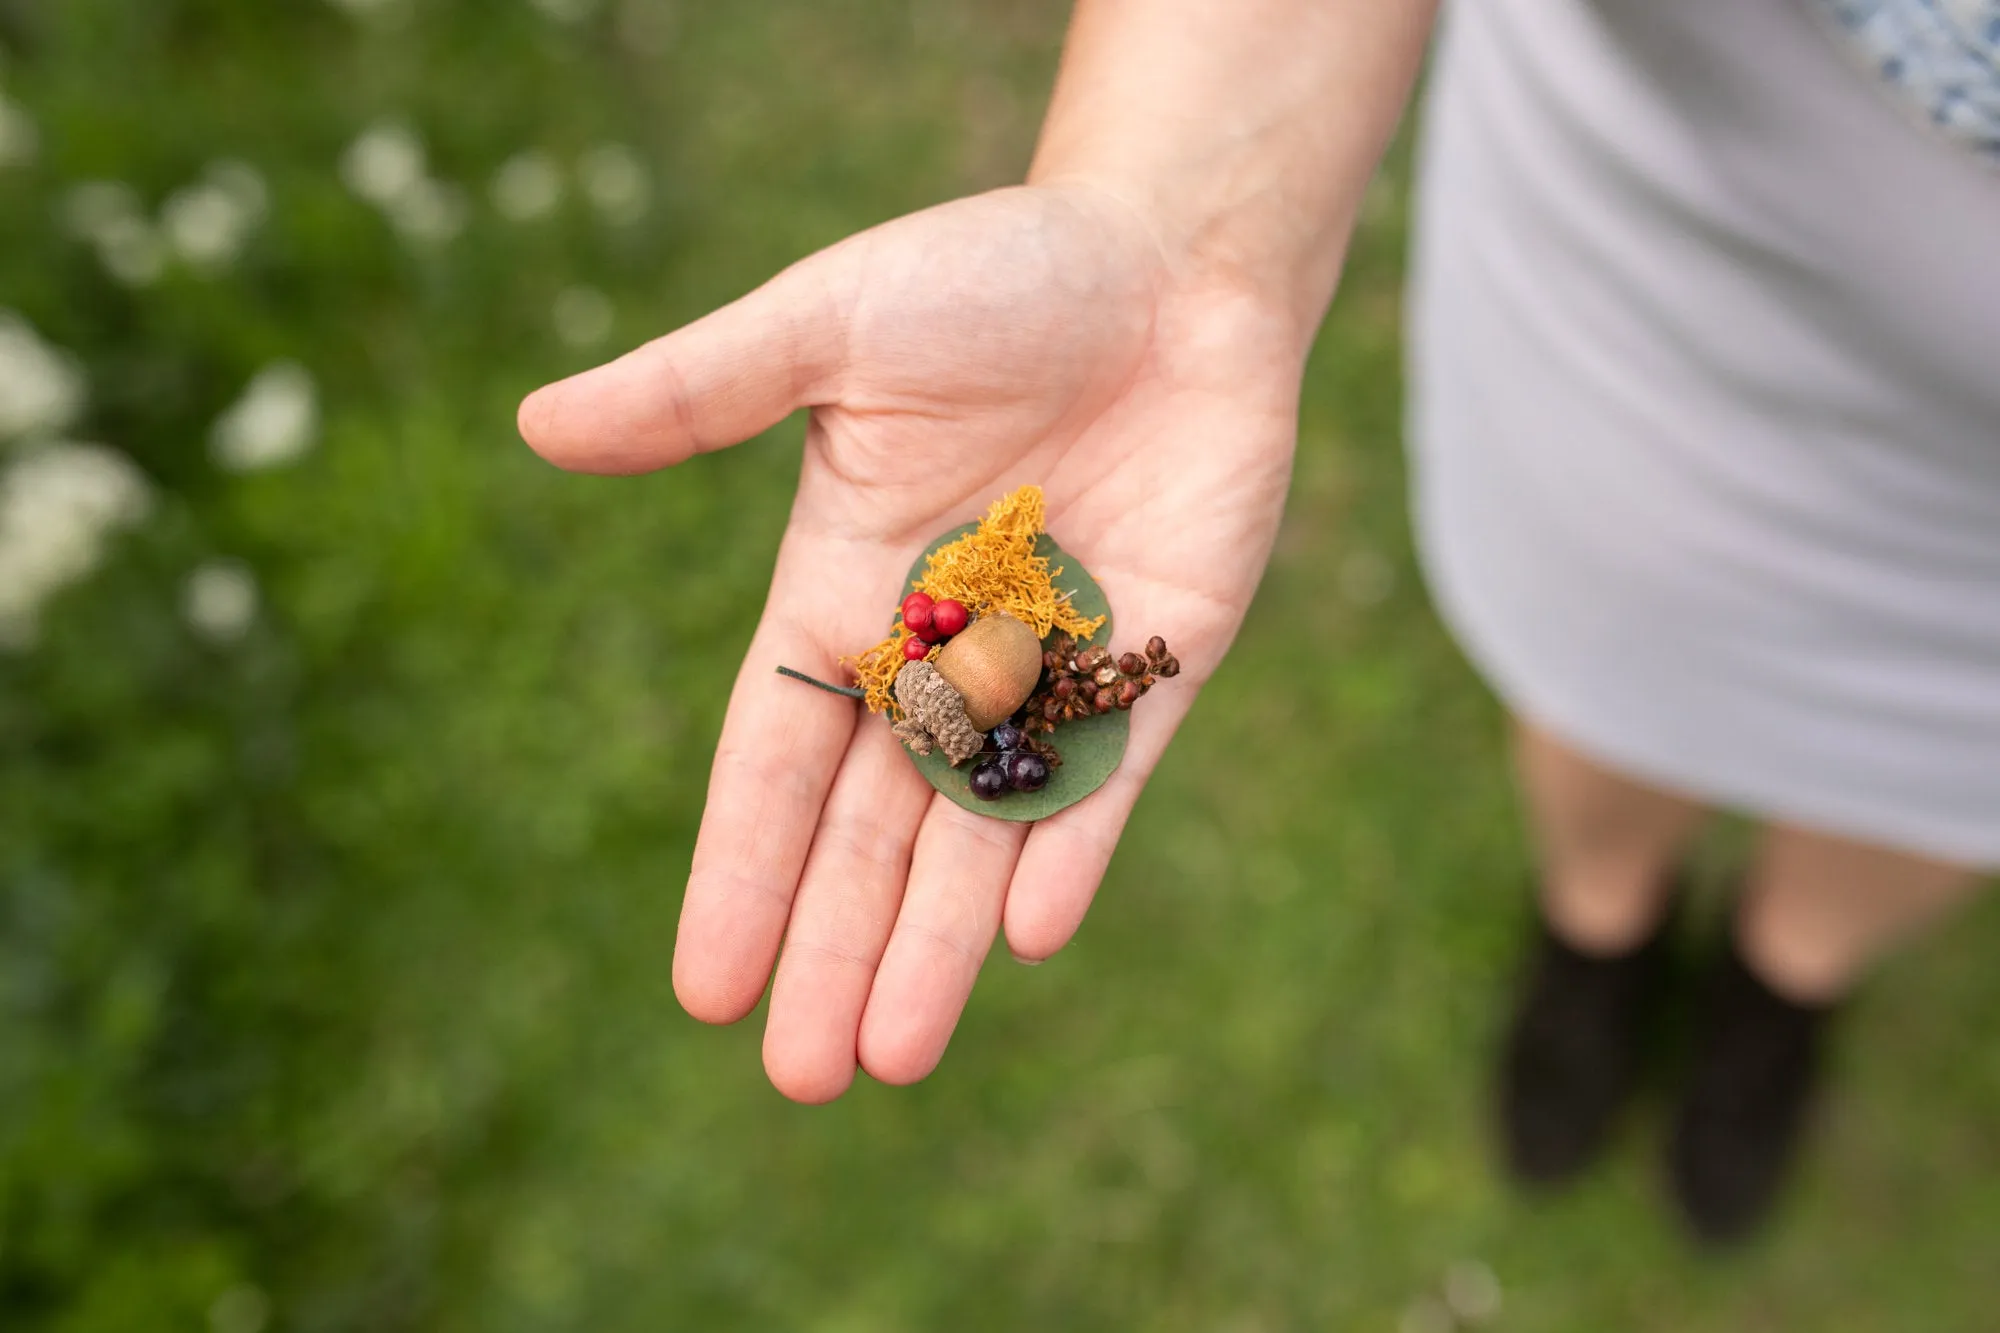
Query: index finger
{"type": "Point", "coordinates": [781, 743]}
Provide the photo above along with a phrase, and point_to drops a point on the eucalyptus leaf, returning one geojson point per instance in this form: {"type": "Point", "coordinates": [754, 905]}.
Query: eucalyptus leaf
{"type": "Point", "coordinates": [1090, 748]}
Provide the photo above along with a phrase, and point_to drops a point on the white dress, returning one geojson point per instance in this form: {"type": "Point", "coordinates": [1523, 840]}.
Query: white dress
{"type": "Point", "coordinates": [1705, 408]}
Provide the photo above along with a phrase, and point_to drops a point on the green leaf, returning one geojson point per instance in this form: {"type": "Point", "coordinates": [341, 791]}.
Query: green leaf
{"type": "Point", "coordinates": [1090, 748]}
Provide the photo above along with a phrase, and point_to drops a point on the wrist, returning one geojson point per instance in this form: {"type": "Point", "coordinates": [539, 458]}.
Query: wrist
{"type": "Point", "coordinates": [1272, 263]}
{"type": "Point", "coordinates": [1243, 132]}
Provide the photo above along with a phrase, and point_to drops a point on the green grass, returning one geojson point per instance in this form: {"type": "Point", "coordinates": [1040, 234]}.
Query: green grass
{"type": "Point", "coordinates": [334, 962]}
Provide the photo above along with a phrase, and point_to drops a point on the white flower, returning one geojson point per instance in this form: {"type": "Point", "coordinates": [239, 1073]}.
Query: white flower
{"type": "Point", "coordinates": [582, 316]}
{"type": "Point", "coordinates": [90, 207]}
{"type": "Point", "coordinates": [208, 223]}
{"type": "Point", "coordinates": [275, 422]}
{"type": "Point", "coordinates": [527, 186]}
{"type": "Point", "coordinates": [616, 182]}
{"type": "Point", "coordinates": [242, 182]}
{"type": "Point", "coordinates": [111, 218]}
{"type": "Point", "coordinates": [19, 140]}
{"type": "Point", "coordinates": [41, 387]}
{"type": "Point", "coordinates": [429, 211]}
{"type": "Point", "coordinates": [386, 167]}
{"type": "Point", "coordinates": [58, 505]}
{"type": "Point", "coordinates": [219, 600]}
{"type": "Point", "coordinates": [384, 163]}
{"type": "Point", "coordinates": [132, 251]}
{"type": "Point", "coordinates": [1472, 1291]}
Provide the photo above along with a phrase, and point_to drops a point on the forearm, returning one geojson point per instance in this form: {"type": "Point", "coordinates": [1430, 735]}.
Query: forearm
{"type": "Point", "coordinates": [1243, 131]}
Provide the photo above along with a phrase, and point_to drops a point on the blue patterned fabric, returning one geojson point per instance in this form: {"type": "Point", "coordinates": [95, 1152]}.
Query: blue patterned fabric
{"type": "Point", "coordinates": [1940, 57]}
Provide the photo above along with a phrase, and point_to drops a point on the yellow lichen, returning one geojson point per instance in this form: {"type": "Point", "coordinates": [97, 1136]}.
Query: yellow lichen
{"type": "Point", "coordinates": [992, 568]}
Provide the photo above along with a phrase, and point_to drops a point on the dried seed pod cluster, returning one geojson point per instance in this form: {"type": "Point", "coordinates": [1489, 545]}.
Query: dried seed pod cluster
{"type": "Point", "coordinates": [1079, 684]}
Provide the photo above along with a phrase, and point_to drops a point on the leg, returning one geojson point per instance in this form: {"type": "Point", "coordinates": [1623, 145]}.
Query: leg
{"type": "Point", "coordinates": [1819, 909]}
{"type": "Point", "coordinates": [1606, 844]}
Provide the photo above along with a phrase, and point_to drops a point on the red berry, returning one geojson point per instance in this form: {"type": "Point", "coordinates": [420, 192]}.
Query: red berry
{"type": "Point", "coordinates": [917, 612]}
{"type": "Point", "coordinates": [915, 650]}
{"type": "Point", "coordinates": [949, 616]}
{"type": "Point", "coordinates": [930, 633]}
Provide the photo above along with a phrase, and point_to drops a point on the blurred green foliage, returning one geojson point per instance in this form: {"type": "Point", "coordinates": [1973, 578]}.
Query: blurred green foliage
{"type": "Point", "coordinates": [334, 955]}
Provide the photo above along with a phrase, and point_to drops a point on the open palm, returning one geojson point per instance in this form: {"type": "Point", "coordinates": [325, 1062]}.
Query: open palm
{"type": "Point", "coordinates": [1036, 334]}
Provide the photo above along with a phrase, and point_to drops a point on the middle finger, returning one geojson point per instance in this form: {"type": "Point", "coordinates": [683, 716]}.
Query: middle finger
{"type": "Point", "coordinates": [959, 871]}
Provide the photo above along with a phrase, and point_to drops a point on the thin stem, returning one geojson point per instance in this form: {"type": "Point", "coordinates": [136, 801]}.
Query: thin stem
{"type": "Point", "coordinates": [851, 691]}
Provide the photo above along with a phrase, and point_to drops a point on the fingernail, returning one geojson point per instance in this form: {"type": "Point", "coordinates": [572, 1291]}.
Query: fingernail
{"type": "Point", "coordinates": [1026, 962]}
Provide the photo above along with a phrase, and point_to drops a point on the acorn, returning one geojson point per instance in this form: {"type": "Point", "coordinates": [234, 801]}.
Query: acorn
{"type": "Point", "coordinates": [994, 663]}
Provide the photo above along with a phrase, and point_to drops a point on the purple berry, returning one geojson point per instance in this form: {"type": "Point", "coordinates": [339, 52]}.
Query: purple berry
{"type": "Point", "coordinates": [1006, 738]}
{"type": "Point", "coordinates": [988, 782]}
{"type": "Point", "coordinates": [1024, 771]}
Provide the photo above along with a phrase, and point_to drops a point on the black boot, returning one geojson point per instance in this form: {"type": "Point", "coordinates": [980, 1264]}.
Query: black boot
{"type": "Point", "coordinates": [1574, 1053]}
{"type": "Point", "coordinates": [1756, 1063]}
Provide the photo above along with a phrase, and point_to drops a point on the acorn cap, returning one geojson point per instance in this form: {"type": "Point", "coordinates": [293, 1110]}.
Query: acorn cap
{"type": "Point", "coordinates": [994, 663]}
{"type": "Point", "coordinates": [934, 714]}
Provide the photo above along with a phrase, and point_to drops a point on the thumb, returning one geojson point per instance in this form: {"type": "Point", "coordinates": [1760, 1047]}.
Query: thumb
{"type": "Point", "coordinates": [714, 383]}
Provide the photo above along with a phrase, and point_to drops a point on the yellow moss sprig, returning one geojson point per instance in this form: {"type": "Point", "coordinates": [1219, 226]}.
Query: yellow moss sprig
{"type": "Point", "coordinates": [992, 568]}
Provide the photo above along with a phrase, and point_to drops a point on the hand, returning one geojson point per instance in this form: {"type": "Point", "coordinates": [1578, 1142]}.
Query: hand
{"type": "Point", "coordinates": [1038, 334]}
